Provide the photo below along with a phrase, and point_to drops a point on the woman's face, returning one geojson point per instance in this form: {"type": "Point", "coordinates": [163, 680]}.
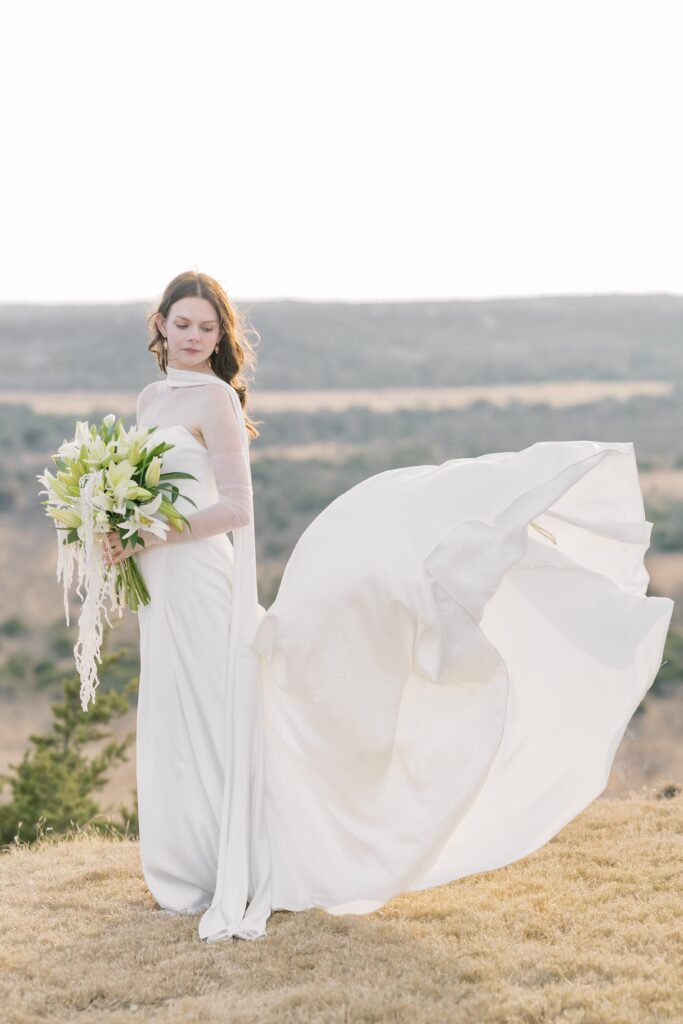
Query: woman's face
{"type": "Point", "coordinates": [192, 331]}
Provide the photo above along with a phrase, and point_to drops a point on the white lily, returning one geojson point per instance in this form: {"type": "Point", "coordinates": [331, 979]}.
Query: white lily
{"type": "Point", "coordinates": [153, 474]}
{"type": "Point", "coordinates": [100, 496]}
{"type": "Point", "coordinates": [54, 489]}
{"type": "Point", "coordinates": [69, 450]}
{"type": "Point", "coordinates": [103, 502]}
{"type": "Point", "coordinates": [97, 450]}
{"type": "Point", "coordinates": [142, 517]}
{"type": "Point", "coordinates": [128, 438]}
{"type": "Point", "coordinates": [119, 483]}
{"type": "Point", "coordinates": [65, 516]}
{"type": "Point", "coordinates": [83, 433]}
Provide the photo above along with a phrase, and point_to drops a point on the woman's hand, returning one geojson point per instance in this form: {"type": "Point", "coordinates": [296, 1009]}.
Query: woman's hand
{"type": "Point", "coordinates": [150, 539]}
{"type": "Point", "coordinates": [114, 550]}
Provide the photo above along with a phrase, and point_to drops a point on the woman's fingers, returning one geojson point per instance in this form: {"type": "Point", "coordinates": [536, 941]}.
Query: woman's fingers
{"type": "Point", "coordinates": [116, 558]}
{"type": "Point", "coordinates": [113, 549]}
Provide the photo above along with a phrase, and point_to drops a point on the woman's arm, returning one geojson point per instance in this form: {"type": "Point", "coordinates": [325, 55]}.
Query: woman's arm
{"type": "Point", "coordinates": [230, 463]}
{"type": "Point", "coordinates": [143, 399]}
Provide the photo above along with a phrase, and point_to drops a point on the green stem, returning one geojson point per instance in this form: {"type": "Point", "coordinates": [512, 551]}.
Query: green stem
{"type": "Point", "coordinates": [129, 577]}
{"type": "Point", "coordinates": [139, 581]}
{"type": "Point", "coordinates": [131, 596]}
{"type": "Point", "coordinates": [123, 576]}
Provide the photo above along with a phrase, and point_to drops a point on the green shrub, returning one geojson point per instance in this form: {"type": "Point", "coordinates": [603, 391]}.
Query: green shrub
{"type": "Point", "coordinates": [16, 667]}
{"type": "Point", "coordinates": [61, 639]}
{"type": "Point", "coordinates": [13, 626]}
{"type": "Point", "coordinates": [53, 786]}
{"type": "Point", "coordinates": [47, 672]}
{"type": "Point", "coordinates": [671, 671]}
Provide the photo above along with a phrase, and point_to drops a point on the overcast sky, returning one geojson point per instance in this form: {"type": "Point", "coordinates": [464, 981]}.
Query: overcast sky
{"type": "Point", "coordinates": [349, 149]}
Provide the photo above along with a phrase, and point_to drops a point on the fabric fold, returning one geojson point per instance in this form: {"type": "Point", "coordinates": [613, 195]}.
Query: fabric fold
{"type": "Point", "coordinates": [241, 901]}
{"type": "Point", "coordinates": [432, 662]}
{"type": "Point", "coordinates": [439, 686]}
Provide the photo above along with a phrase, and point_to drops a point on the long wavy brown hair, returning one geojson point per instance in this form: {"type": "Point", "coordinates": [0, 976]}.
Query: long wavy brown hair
{"type": "Point", "coordinates": [236, 354]}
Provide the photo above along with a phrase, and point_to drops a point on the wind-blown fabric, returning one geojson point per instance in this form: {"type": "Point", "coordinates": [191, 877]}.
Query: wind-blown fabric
{"type": "Point", "coordinates": [440, 685]}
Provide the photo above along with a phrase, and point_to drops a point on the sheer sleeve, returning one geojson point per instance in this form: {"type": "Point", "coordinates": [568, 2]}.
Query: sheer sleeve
{"type": "Point", "coordinates": [230, 463]}
{"type": "Point", "coordinates": [142, 400]}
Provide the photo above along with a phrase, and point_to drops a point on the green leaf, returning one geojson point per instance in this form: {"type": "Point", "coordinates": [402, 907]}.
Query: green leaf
{"type": "Point", "coordinates": [177, 476]}
{"type": "Point", "coordinates": [162, 447]}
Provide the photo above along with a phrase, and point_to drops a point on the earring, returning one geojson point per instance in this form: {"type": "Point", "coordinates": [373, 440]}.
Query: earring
{"type": "Point", "coordinates": [217, 347]}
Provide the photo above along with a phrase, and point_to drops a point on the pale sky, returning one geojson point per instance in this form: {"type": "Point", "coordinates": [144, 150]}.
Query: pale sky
{"type": "Point", "coordinates": [341, 149]}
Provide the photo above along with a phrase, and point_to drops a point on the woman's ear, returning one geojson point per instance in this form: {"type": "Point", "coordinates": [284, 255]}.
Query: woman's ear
{"type": "Point", "coordinates": [160, 323]}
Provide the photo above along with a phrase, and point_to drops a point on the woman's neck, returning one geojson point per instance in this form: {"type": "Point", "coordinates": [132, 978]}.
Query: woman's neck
{"type": "Point", "coordinates": [172, 370]}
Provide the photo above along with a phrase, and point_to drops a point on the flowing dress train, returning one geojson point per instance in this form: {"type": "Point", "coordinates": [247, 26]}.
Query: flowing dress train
{"type": "Point", "coordinates": [440, 685]}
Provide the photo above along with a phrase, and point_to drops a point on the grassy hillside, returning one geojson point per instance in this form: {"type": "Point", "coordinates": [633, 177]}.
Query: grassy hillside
{"type": "Point", "coordinates": [586, 929]}
{"type": "Point", "coordinates": [365, 344]}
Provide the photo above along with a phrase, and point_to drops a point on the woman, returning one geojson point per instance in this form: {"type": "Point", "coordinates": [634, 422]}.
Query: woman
{"type": "Point", "coordinates": [440, 686]}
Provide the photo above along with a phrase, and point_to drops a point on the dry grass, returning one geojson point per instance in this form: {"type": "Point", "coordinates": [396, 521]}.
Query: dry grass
{"type": "Point", "coordinates": [666, 572]}
{"type": "Point", "coordinates": [558, 394]}
{"type": "Point", "coordinates": [666, 484]}
{"type": "Point", "coordinates": [586, 929]}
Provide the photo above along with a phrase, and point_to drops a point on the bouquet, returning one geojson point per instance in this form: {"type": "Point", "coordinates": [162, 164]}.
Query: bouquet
{"type": "Point", "coordinates": [108, 478]}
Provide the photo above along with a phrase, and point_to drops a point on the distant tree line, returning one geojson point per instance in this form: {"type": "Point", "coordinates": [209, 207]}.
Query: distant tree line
{"type": "Point", "coordinates": [365, 344]}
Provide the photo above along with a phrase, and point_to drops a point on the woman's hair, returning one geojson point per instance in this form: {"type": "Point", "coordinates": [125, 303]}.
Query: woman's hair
{"type": "Point", "coordinates": [235, 352]}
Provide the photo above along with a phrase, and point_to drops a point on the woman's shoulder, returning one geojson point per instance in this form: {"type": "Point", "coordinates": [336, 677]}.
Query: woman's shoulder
{"type": "Point", "coordinates": [217, 384]}
{"type": "Point", "coordinates": [147, 395]}
{"type": "Point", "coordinates": [151, 388]}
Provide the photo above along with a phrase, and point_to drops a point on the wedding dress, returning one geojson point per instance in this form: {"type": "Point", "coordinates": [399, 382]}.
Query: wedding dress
{"type": "Point", "coordinates": [440, 685]}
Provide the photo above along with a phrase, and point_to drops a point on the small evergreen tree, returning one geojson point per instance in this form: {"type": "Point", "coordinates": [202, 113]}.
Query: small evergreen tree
{"type": "Point", "coordinates": [53, 786]}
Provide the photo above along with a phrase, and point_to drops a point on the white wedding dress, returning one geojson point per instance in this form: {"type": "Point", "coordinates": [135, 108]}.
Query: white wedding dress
{"type": "Point", "coordinates": [441, 684]}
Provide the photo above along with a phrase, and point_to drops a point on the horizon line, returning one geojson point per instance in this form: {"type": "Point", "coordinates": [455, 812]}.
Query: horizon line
{"type": "Point", "coordinates": [358, 301]}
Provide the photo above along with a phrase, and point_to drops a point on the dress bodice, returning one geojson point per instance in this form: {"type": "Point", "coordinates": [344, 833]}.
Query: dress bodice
{"type": "Point", "coordinates": [187, 406]}
{"type": "Point", "coordinates": [172, 412]}
{"type": "Point", "coordinates": [188, 455]}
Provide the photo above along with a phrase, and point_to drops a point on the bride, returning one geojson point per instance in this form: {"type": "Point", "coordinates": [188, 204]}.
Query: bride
{"type": "Point", "coordinates": [439, 687]}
